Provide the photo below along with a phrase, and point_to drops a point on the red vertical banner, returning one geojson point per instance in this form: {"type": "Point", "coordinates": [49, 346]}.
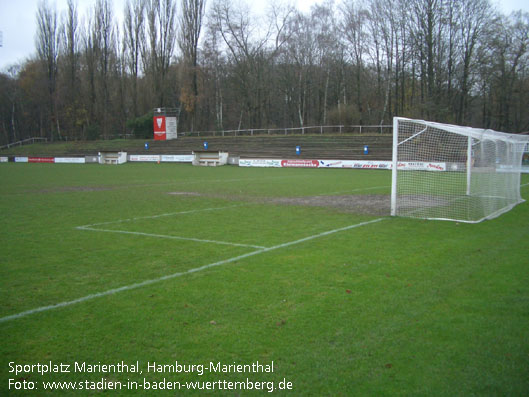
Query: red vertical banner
{"type": "Point", "coordinates": [159, 128]}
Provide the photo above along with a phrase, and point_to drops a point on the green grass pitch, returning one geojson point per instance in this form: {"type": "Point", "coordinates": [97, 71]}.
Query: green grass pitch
{"type": "Point", "coordinates": [163, 263]}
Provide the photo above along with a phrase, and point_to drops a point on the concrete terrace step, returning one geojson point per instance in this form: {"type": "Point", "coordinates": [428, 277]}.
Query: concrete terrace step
{"type": "Point", "coordinates": [340, 147]}
{"type": "Point", "coordinates": [330, 147]}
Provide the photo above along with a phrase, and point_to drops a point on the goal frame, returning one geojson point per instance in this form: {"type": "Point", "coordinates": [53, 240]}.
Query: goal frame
{"type": "Point", "coordinates": [474, 136]}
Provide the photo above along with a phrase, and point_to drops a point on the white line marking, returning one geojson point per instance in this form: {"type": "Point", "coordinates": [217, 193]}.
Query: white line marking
{"type": "Point", "coordinates": [169, 237]}
{"type": "Point", "coordinates": [179, 274]}
{"type": "Point", "coordinates": [158, 216]}
{"type": "Point", "coordinates": [524, 185]}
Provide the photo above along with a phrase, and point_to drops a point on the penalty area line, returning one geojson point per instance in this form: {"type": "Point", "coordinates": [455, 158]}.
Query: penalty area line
{"type": "Point", "coordinates": [197, 240]}
{"type": "Point", "coordinates": [180, 274]}
{"type": "Point", "coordinates": [88, 227]}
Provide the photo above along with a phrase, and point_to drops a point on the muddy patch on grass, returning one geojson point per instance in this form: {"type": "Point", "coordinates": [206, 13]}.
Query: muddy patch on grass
{"type": "Point", "coordinates": [372, 204]}
{"type": "Point", "coordinates": [365, 204]}
{"type": "Point", "coordinates": [411, 201]}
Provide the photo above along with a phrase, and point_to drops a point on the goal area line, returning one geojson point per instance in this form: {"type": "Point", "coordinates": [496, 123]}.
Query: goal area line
{"type": "Point", "coordinates": [184, 273]}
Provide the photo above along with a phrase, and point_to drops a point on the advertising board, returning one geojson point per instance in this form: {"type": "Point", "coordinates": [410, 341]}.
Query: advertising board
{"type": "Point", "coordinates": [70, 160]}
{"type": "Point", "coordinates": [147, 158]}
{"type": "Point", "coordinates": [41, 160]}
{"type": "Point", "coordinates": [177, 158]}
{"type": "Point", "coordinates": [357, 164]}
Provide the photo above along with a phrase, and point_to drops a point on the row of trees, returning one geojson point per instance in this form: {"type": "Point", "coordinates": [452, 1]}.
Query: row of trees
{"type": "Point", "coordinates": [356, 62]}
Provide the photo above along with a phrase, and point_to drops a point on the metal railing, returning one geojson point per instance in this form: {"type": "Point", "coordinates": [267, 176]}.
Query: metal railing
{"type": "Point", "coordinates": [27, 141]}
{"type": "Point", "coordinates": [329, 129]}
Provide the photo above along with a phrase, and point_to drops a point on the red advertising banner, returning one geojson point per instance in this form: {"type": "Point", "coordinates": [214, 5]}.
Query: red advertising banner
{"type": "Point", "coordinates": [300, 163]}
{"type": "Point", "coordinates": [159, 128]}
{"type": "Point", "coordinates": [41, 159]}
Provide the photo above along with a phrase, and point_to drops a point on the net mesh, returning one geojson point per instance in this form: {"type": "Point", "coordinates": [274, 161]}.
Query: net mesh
{"type": "Point", "coordinates": [454, 173]}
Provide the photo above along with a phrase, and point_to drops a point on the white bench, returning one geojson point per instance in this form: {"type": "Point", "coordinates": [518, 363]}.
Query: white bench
{"type": "Point", "coordinates": [209, 160]}
{"type": "Point", "coordinates": [111, 159]}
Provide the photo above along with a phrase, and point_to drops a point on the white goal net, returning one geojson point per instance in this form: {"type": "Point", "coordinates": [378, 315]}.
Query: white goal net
{"type": "Point", "coordinates": [450, 172]}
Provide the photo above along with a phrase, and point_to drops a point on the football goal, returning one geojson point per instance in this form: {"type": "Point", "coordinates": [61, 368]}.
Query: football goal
{"type": "Point", "coordinates": [449, 172]}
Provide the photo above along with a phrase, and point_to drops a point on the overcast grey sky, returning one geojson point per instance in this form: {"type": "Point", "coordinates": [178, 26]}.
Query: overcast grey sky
{"type": "Point", "coordinates": [17, 22]}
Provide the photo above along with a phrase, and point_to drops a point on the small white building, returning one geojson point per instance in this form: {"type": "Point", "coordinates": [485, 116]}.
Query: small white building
{"type": "Point", "coordinates": [112, 157]}
{"type": "Point", "coordinates": [210, 158]}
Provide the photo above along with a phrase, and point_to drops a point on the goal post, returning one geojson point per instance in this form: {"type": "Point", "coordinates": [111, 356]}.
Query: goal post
{"type": "Point", "coordinates": [449, 172]}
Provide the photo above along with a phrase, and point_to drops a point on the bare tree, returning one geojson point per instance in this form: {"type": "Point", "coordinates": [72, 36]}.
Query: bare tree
{"type": "Point", "coordinates": [134, 40]}
{"type": "Point", "coordinates": [9, 99]}
{"type": "Point", "coordinates": [383, 29]}
{"type": "Point", "coordinates": [354, 29]}
{"type": "Point", "coordinates": [447, 60]}
{"type": "Point", "coordinates": [70, 44]}
{"type": "Point", "coordinates": [68, 89]}
{"type": "Point", "coordinates": [47, 41]}
{"type": "Point", "coordinates": [104, 43]}
{"type": "Point", "coordinates": [376, 54]}
{"type": "Point", "coordinates": [190, 28]}
{"type": "Point", "coordinates": [215, 68]}
{"type": "Point", "coordinates": [251, 51]}
{"type": "Point", "coordinates": [157, 55]}
{"type": "Point", "coordinates": [508, 74]}
{"type": "Point", "coordinates": [473, 18]}
{"type": "Point", "coordinates": [300, 55]}
{"type": "Point", "coordinates": [426, 15]}
{"type": "Point", "coordinates": [323, 23]}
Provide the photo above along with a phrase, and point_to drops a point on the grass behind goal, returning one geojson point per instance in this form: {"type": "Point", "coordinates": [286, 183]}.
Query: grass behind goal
{"type": "Point", "coordinates": [399, 306]}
